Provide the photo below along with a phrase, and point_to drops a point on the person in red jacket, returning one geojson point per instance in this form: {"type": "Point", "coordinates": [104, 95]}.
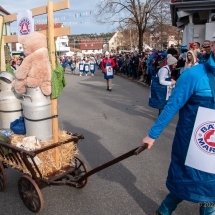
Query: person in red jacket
{"type": "Point", "coordinates": [108, 65]}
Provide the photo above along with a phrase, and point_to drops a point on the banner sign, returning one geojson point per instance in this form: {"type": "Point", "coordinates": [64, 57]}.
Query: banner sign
{"type": "Point", "coordinates": [201, 152]}
{"type": "Point", "coordinates": [109, 70]}
{"type": "Point", "coordinates": [25, 23]}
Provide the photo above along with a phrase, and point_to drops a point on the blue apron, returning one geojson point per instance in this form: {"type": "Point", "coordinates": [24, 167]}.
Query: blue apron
{"type": "Point", "coordinates": [81, 70]}
{"type": "Point", "coordinates": [185, 182]}
{"type": "Point", "coordinates": [86, 68]}
{"type": "Point", "coordinates": [158, 93]}
{"type": "Point", "coordinates": [92, 67]}
{"type": "Point", "coordinates": [105, 74]}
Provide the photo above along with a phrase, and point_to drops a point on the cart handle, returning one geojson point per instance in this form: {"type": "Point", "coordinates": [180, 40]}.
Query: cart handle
{"type": "Point", "coordinates": [135, 151]}
{"type": "Point", "coordinates": [140, 149]}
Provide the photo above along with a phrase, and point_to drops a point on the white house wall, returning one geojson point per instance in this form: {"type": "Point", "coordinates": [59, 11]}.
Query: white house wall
{"type": "Point", "coordinates": [62, 44]}
{"type": "Point", "coordinates": [209, 30]}
{"type": "Point", "coordinates": [184, 37]}
{"type": "Point", "coordinates": [199, 33]}
{"type": "Point", "coordinates": [92, 51]}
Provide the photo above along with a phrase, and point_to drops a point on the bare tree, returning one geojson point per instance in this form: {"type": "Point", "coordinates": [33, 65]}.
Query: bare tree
{"type": "Point", "coordinates": [125, 12]}
{"type": "Point", "coordinates": [161, 27]}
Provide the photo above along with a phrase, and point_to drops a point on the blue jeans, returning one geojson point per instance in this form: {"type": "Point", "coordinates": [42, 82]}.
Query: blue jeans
{"type": "Point", "coordinates": [171, 201]}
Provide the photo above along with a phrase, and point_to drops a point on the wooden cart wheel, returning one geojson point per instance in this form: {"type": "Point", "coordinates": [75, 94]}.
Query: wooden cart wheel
{"type": "Point", "coordinates": [30, 194]}
{"type": "Point", "coordinates": [3, 177]}
{"type": "Point", "coordinates": [80, 170]}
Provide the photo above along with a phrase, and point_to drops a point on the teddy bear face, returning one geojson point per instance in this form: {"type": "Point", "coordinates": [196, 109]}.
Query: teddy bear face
{"type": "Point", "coordinates": [33, 42]}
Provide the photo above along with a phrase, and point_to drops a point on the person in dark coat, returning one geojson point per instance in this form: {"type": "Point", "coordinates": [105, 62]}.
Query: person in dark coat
{"type": "Point", "coordinates": [172, 51]}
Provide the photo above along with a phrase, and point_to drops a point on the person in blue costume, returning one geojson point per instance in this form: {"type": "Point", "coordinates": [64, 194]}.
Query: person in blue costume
{"type": "Point", "coordinates": [81, 66]}
{"type": "Point", "coordinates": [92, 66]}
{"type": "Point", "coordinates": [86, 66]}
{"type": "Point", "coordinates": [193, 89]}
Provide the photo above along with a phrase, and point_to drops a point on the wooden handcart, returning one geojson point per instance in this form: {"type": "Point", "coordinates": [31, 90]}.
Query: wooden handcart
{"type": "Point", "coordinates": [30, 185]}
{"type": "Point", "coordinates": [32, 181]}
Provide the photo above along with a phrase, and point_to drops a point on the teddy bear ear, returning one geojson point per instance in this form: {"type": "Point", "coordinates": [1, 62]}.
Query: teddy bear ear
{"type": "Point", "coordinates": [22, 39]}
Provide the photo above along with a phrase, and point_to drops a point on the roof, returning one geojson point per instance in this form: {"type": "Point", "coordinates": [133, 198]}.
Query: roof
{"type": "Point", "coordinates": [189, 7]}
{"type": "Point", "coordinates": [75, 49]}
{"type": "Point", "coordinates": [40, 27]}
{"type": "Point", "coordinates": [4, 11]}
{"type": "Point", "coordinates": [91, 44]}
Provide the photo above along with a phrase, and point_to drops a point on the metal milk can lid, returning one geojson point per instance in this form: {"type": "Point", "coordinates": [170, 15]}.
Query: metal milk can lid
{"type": "Point", "coordinates": [7, 77]}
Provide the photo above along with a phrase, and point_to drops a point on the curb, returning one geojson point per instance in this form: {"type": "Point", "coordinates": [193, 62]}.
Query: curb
{"type": "Point", "coordinates": [138, 82]}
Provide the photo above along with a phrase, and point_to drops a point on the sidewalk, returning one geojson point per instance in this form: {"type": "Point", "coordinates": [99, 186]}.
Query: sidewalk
{"type": "Point", "coordinates": [130, 79]}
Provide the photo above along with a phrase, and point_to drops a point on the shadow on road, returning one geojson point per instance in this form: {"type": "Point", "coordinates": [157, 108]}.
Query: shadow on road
{"type": "Point", "coordinates": [117, 100]}
{"type": "Point", "coordinates": [96, 154]}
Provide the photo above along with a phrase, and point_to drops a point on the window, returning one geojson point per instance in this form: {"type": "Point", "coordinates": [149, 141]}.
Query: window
{"type": "Point", "coordinates": [85, 44]}
{"type": "Point", "coordinates": [112, 43]}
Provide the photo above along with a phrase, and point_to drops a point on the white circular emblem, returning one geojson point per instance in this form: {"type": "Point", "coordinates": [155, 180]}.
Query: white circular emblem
{"type": "Point", "coordinates": [24, 26]}
{"type": "Point", "coordinates": [205, 137]}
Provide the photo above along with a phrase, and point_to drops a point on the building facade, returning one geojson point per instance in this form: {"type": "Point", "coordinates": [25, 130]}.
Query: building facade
{"type": "Point", "coordinates": [91, 46]}
{"type": "Point", "coordinates": [196, 19]}
{"type": "Point", "coordinates": [158, 41]}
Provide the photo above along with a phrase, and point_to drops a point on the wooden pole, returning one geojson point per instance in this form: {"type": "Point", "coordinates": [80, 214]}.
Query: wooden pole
{"type": "Point", "coordinates": [53, 58]}
{"type": "Point", "coordinates": [3, 66]}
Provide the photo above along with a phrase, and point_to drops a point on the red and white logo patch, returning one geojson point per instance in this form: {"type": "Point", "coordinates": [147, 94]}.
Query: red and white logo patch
{"type": "Point", "coordinates": [24, 26]}
{"type": "Point", "coordinates": [205, 137]}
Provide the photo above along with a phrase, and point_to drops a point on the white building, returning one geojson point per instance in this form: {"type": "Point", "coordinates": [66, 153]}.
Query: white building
{"type": "Point", "coordinates": [62, 45]}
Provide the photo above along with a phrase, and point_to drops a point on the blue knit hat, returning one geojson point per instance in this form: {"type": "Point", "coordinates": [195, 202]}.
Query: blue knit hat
{"type": "Point", "coordinates": [163, 54]}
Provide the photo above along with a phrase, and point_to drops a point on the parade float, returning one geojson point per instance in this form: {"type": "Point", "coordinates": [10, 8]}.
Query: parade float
{"type": "Point", "coordinates": [44, 154]}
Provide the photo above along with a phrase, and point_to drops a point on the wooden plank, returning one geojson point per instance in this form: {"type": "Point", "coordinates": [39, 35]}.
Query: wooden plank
{"type": "Point", "coordinates": [62, 31]}
{"type": "Point", "coordinates": [11, 39]}
{"type": "Point", "coordinates": [10, 18]}
{"type": "Point", "coordinates": [54, 101]}
{"type": "Point", "coordinates": [57, 33]}
{"type": "Point", "coordinates": [61, 5]}
{"type": "Point", "coordinates": [3, 66]}
{"type": "Point", "coordinates": [40, 10]}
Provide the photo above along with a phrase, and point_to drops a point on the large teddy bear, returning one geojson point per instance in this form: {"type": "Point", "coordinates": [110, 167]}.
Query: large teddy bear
{"type": "Point", "coordinates": [35, 70]}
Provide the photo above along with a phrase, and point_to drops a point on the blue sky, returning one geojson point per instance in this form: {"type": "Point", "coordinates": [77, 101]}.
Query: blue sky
{"type": "Point", "coordinates": [83, 24]}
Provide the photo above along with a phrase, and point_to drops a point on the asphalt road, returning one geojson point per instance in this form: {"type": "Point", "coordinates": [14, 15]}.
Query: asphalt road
{"type": "Point", "coordinates": [113, 123]}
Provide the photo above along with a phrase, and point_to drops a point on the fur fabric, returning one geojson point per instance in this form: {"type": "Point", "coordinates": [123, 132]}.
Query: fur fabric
{"type": "Point", "coordinates": [35, 70]}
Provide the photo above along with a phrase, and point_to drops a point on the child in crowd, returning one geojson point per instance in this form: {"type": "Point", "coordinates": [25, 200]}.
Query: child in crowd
{"type": "Point", "coordinates": [86, 66]}
{"type": "Point", "coordinates": [72, 64]}
{"type": "Point", "coordinates": [92, 66]}
{"type": "Point", "coordinates": [64, 64]}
